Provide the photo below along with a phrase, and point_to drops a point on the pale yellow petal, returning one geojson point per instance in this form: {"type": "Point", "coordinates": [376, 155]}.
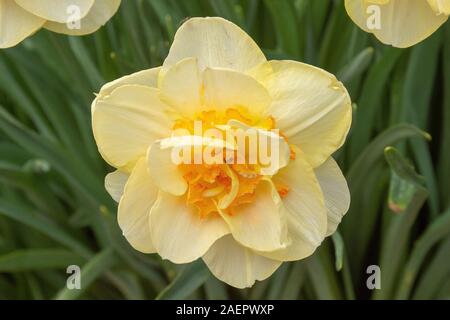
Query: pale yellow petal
{"type": "Point", "coordinates": [147, 78]}
{"type": "Point", "coordinates": [305, 210]}
{"type": "Point", "coordinates": [402, 23]}
{"type": "Point", "coordinates": [231, 89]}
{"type": "Point", "coordinates": [335, 191]}
{"type": "Point", "coordinates": [165, 173]}
{"type": "Point", "coordinates": [236, 265]}
{"type": "Point", "coordinates": [115, 183]}
{"type": "Point", "coordinates": [58, 11]}
{"type": "Point", "coordinates": [440, 6]}
{"type": "Point", "coordinates": [260, 225]}
{"type": "Point", "coordinates": [127, 122]}
{"type": "Point", "coordinates": [99, 15]}
{"type": "Point", "coordinates": [216, 43]}
{"type": "Point", "coordinates": [228, 198]}
{"type": "Point", "coordinates": [181, 87]}
{"type": "Point", "coordinates": [179, 233]}
{"type": "Point", "coordinates": [134, 208]}
{"type": "Point", "coordinates": [272, 150]}
{"type": "Point", "coordinates": [165, 156]}
{"type": "Point", "coordinates": [310, 106]}
{"type": "Point", "coordinates": [16, 24]}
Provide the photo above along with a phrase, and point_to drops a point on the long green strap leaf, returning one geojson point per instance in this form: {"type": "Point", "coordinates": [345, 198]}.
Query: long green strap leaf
{"type": "Point", "coordinates": [92, 270]}
{"type": "Point", "coordinates": [38, 259]}
{"type": "Point", "coordinates": [186, 282]}
{"type": "Point", "coordinates": [439, 229]}
{"type": "Point", "coordinates": [396, 240]}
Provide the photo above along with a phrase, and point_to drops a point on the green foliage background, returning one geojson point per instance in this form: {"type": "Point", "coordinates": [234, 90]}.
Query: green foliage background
{"type": "Point", "coordinates": [54, 210]}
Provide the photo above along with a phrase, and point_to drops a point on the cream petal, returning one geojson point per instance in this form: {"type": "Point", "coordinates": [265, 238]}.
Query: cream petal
{"type": "Point", "coordinates": [100, 13]}
{"type": "Point", "coordinates": [440, 6]}
{"type": "Point", "coordinates": [310, 106]}
{"type": "Point", "coordinates": [165, 156]}
{"type": "Point", "coordinates": [378, 1]}
{"type": "Point", "coordinates": [260, 225]}
{"type": "Point", "coordinates": [230, 89]}
{"type": "Point", "coordinates": [115, 184]}
{"type": "Point", "coordinates": [147, 78]}
{"type": "Point", "coordinates": [236, 265]}
{"type": "Point", "coordinates": [403, 23]}
{"type": "Point", "coordinates": [305, 210]}
{"type": "Point", "coordinates": [16, 24]}
{"type": "Point", "coordinates": [216, 43]}
{"type": "Point", "coordinates": [273, 154]}
{"type": "Point", "coordinates": [58, 11]}
{"type": "Point", "coordinates": [335, 191]}
{"type": "Point", "coordinates": [181, 87]}
{"type": "Point", "coordinates": [134, 208]}
{"type": "Point", "coordinates": [179, 233]}
{"type": "Point", "coordinates": [126, 122]}
{"type": "Point", "coordinates": [165, 173]}
{"type": "Point", "coordinates": [228, 198]}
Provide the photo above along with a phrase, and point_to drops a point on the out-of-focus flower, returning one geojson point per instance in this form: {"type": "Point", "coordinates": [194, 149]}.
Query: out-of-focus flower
{"type": "Point", "coordinates": [20, 19]}
{"type": "Point", "coordinates": [243, 217]}
{"type": "Point", "coordinates": [400, 23]}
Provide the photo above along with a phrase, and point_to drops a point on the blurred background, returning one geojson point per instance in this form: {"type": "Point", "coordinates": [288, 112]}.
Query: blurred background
{"type": "Point", "coordinates": [55, 212]}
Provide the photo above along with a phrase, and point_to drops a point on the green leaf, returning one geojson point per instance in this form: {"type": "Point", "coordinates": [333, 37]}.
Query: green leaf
{"type": "Point", "coordinates": [78, 175]}
{"type": "Point", "coordinates": [374, 151]}
{"type": "Point", "coordinates": [439, 229]}
{"type": "Point", "coordinates": [399, 230]}
{"type": "Point", "coordinates": [186, 282]}
{"type": "Point", "coordinates": [370, 100]}
{"type": "Point", "coordinates": [92, 270]}
{"type": "Point", "coordinates": [288, 41]}
{"type": "Point", "coordinates": [277, 282]}
{"type": "Point", "coordinates": [295, 282]}
{"type": "Point", "coordinates": [432, 277]}
{"type": "Point", "coordinates": [338, 250]}
{"type": "Point", "coordinates": [322, 277]}
{"type": "Point", "coordinates": [36, 221]}
{"type": "Point", "coordinates": [356, 66]}
{"type": "Point", "coordinates": [443, 169]}
{"type": "Point", "coordinates": [216, 289]}
{"type": "Point", "coordinates": [230, 10]}
{"type": "Point", "coordinates": [38, 259]}
{"type": "Point", "coordinates": [404, 181]}
{"type": "Point", "coordinates": [340, 257]}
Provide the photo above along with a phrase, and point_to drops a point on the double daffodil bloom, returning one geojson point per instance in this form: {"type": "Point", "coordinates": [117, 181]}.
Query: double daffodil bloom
{"type": "Point", "coordinates": [400, 23]}
{"type": "Point", "coordinates": [242, 219]}
{"type": "Point", "coordinates": [20, 19]}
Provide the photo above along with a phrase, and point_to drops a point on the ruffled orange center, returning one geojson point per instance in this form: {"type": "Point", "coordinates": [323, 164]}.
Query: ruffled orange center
{"type": "Point", "coordinates": [209, 183]}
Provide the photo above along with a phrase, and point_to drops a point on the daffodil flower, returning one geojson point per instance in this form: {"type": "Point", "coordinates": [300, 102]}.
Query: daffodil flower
{"type": "Point", "coordinates": [20, 19]}
{"type": "Point", "coordinates": [400, 23]}
{"type": "Point", "coordinates": [243, 219]}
